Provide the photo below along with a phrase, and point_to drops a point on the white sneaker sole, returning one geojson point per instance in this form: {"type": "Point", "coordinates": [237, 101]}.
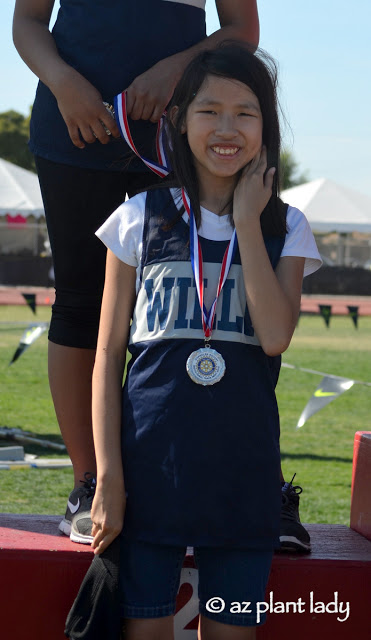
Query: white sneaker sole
{"type": "Point", "coordinates": [78, 537]}
{"type": "Point", "coordinates": [291, 543]}
{"type": "Point", "coordinates": [65, 527]}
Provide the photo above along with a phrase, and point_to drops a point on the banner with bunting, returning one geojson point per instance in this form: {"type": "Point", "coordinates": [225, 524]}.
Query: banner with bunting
{"type": "Point", "coordinates": [31, 300]}
{"type": "Point", "coordinates": [353, 312]}
{"type": "Point", "coordinates": [32, 333]}
{"type": "Point", "coordinates": [330, 387]}
{"type": "Point", "coordinates": [326, 312]}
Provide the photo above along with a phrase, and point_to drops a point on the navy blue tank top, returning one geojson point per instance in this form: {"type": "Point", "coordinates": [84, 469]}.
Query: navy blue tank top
{"type": "Point", "coordinates": [201, 464]}
{"type": "Point", "coordinates": [111, 42]}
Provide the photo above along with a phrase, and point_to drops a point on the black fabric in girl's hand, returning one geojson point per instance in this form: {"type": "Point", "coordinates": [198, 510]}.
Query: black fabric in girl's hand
{"type": "Point", "coordinates": [95, 613]}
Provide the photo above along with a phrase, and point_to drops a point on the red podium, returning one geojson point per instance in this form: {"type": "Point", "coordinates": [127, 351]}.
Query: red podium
{"type": "Point", "coordinates": [323, 595]}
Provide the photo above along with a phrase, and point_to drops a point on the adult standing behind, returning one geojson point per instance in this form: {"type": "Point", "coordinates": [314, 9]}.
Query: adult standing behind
{"type": "Point", "coordinates": [97, 49]}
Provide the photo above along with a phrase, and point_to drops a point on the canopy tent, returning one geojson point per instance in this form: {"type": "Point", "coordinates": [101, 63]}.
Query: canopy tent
{"type": "Point", "coordinates": [19, 192]}
{"type": "Point", "coordinates": [22, 217]}
{"type": "Point", "coordinates": [331, 207]}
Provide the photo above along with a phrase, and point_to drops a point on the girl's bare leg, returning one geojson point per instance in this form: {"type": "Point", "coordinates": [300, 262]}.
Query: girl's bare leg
{"type": "Point", "coordinates": [149, 629]}
{"type": "Point", "coordinates": [211, 630]}
{"type": "Point", "coordinates": [70, 376]}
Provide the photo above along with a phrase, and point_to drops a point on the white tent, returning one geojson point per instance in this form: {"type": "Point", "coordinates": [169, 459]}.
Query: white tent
{"type": "Point", "coordinates": [22, 217]}
{"type": "Point", "coordinates": [19, 191]}
{"type": "Point", "coordinates": [331, 207]}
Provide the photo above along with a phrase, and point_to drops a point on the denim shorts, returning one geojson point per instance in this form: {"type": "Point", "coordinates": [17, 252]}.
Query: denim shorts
{"type": "Point", "coordinates": [150, 576]}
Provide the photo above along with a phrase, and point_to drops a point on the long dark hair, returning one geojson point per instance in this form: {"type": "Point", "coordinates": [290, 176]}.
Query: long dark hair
{"type": "Point", "coordinates": [258, 71]}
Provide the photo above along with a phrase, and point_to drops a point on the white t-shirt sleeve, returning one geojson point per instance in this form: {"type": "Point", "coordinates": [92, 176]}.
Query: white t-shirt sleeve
{"type": "Point", "coordinates": [122, 232]}
{"type": "Point", "coordinates": [300, 241]}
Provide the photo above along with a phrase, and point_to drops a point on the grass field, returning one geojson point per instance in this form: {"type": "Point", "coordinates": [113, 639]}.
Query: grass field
{"type": "Point", "coordinates": [320, 453]}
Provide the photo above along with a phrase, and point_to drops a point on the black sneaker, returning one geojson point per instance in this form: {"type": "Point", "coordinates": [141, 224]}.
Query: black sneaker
{"type": "Point", "coordinates": [293, 536]}
{"type": "Point", "coordinates": [77, 523]}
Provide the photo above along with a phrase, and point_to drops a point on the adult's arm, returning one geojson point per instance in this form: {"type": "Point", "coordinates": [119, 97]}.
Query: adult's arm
{"type": "Point", "coordinates": [79, 102]}
{"type": "Point", "coordinates": [150, 92]}
{"type": "Point", "coordinates": [117, 305]}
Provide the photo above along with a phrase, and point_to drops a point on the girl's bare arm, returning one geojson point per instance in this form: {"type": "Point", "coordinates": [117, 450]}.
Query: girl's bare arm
{"type": "Point", "coordinates": [79, 102]}
{"type": "Point", "coordinates": [273, 297]}
{"type": "Point", "coordinates": [117, 307]}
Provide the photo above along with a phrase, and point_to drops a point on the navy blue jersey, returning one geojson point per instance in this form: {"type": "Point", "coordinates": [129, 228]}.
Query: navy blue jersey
{"type": "Point", "coordinates": [201, 464]}
{"type": "Point", "coordinates": [111, 42]}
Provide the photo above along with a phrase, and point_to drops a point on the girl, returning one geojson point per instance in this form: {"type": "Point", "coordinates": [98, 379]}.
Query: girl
{"type": "Point", "coordinates": [96, 49]}
{"type": "Point", "coordinates": [209, 275]}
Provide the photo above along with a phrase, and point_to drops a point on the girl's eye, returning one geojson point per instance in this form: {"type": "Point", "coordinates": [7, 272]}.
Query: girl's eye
{"type": "Point", "coordinates": [249, 115]}
{"type": "Point", "coordinates": [209, 111]}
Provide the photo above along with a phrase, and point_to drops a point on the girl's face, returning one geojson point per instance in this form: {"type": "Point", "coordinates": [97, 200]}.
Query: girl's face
{"type": "Point", "coordinates": [224, 126]}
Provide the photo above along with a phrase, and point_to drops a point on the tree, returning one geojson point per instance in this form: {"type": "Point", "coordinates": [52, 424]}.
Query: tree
{"type": "Point", "coordinates": [289, 171]}
{"type": "Point", "coordinates": [14, 134]}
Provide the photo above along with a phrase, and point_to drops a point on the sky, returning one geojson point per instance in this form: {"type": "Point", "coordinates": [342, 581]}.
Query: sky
{"type": "Point", "coordinates": [323, 50]}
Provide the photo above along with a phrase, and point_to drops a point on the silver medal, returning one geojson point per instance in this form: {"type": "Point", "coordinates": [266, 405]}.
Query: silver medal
{"type": "Point", "coordinates": [205, 366]}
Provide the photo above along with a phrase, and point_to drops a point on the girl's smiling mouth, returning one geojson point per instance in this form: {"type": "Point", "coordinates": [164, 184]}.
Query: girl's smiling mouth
{"type": "Point", "coordinates": [225, 150]}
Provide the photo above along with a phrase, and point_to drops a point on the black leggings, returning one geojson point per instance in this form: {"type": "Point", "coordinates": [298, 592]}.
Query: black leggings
{"type": "Point", "coordinates": [77, 202]}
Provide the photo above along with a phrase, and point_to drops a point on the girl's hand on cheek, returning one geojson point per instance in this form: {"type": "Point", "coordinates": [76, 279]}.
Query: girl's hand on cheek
{"type": "Point", "coordinates": [253, 190]}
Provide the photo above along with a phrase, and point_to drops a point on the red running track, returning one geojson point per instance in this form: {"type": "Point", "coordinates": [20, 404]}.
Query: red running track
{"type": "Point", "coordinates": [309, 303]}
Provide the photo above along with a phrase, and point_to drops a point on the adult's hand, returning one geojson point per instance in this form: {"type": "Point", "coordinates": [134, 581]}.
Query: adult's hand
{"type": "Point", "coordinates": [79, 102]}
{"type": "Point", "coordinates": [82, 109]}
{"type": "Point", "coordinates": [149, 94]}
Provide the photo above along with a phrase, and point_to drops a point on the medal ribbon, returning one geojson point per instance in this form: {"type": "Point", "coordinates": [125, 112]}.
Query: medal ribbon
{"type": "Point", "coordinates": [162, 168]}
{"type": "Point", "coordinates": [196, 260]}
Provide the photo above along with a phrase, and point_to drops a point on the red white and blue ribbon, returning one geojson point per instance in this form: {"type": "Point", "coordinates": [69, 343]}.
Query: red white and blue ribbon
{"type": "Point", "coordinates": [196, 260]}
{"type": "Point", "coordinates": [162, 168]}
